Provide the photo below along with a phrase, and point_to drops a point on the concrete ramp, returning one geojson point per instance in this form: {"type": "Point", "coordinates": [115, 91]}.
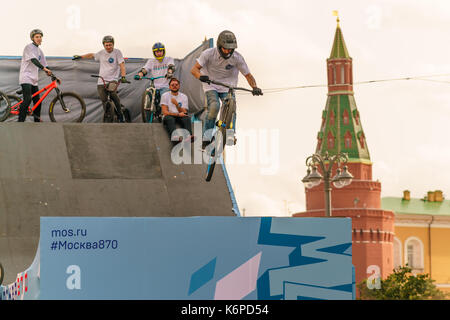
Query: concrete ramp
{"type": "Point", "coordinates": [98, 170]}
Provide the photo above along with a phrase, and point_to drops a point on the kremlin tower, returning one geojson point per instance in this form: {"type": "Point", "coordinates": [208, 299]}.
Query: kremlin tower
{"type": "Point", "coordinates": [341, 131]}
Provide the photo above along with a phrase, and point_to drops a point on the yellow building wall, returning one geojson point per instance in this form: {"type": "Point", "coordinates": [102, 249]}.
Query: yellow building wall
{"type": "Point", "coordinates": [403, 233]}
{"type": "Point", "coordinates": [440, 255]}
{"type": "Point", "coordinates": [440, 251]}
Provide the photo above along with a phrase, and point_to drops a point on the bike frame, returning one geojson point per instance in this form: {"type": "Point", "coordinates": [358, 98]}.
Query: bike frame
{"type": "Point", "coordinates": [108, 93]}
{"type": "Point", "coordinates": [53, 85]}
{"type": "Point", "coordinates": [151, 92]}
{"type": "Point", "coordinates": [220, 127]}
{"type": "Point", "coordinates": [152, 87]}
{"type": "Point", "coordinates": [105, 85]}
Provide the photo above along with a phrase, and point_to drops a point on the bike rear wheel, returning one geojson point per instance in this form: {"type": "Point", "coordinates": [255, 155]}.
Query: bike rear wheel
{"type": "Point", "coordinates": [14, 111]}
{"type": "Point", "coordinates": [68, 107]}
{"type": "Point", "coordinates": [5, 106]}
{"type": "Point", "coordinates": [110, 113]}
{"type": "Point", "coordinates": [126, 114]}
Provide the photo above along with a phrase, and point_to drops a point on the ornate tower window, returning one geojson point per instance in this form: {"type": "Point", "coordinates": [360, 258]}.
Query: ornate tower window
{"type": "Point", "coordinates": [362, 139]}
{"type": "Point", "coordinates": [345, 117]}
{"type": "Point", "coordinates": [332, 116]}
{"type": "Point", "coordinates": [330, 140]}
{"type": "Point", "coordinates": [342, 74]}
{"type": "Point", "coordinates": [324, 117]}
{"type": "Point", "coordinates": [356, 116]}
{"type": "Point", "coordinates": [348, 140]}
{"type": "Point", "coordinates": [319, 140]}
{"type": "Point", "coordinates": [334, 74]}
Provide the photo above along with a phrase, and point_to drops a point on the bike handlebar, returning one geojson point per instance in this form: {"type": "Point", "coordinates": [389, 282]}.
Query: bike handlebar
{"type": "Point", "coordinates": [53, 77]}
{"type": "Point", "coordinates": [228, 86]}
{"type": "Point", "coordinates": [136, 77]}
{"type": "Point", "coordinates": [104, 82]}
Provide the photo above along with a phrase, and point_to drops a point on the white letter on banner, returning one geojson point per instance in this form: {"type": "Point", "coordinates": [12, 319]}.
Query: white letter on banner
{"type": "Point", "coordinates": [74, 280]}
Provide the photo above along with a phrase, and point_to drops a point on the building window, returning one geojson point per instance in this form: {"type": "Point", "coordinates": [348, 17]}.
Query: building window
{"type": "Point", "coordinates": [342, 74]}
{"type": "Point", "coordinates": [356, 116]}
{"type": "Point", "coordinates": [397, 253]}
{"type": "Point", "coordinates": [414, 254]}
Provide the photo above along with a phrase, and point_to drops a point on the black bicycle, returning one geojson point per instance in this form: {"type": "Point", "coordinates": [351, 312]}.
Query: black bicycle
{"type": "Point", "coordinates": [224, 133]}
{"type": "Point", "coordinates": [111, 110]}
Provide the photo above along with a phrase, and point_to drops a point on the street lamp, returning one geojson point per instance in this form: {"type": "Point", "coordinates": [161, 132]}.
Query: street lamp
{"type": "Point", "coordinates": [314, 178]}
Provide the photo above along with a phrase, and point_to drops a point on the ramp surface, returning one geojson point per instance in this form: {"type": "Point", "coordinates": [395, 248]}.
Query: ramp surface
{"type": "Point", "coordinates": [99, 170]}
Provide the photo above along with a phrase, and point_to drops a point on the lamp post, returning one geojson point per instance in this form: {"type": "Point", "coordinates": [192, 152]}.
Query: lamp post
{"type": "Point", "coordinates": [314, 178]}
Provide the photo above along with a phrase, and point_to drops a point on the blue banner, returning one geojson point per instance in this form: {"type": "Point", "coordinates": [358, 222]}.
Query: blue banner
{"type": "Point", "coordinates": [208, 258]}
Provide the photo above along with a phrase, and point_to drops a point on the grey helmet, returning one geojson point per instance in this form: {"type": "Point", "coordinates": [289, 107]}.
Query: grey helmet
{"type": "Point", "coordinates": [226, 40]}
{"type": "Point", "coordinates": [107, 39]}
{"type": "Point", "coordinates": [35, 32]}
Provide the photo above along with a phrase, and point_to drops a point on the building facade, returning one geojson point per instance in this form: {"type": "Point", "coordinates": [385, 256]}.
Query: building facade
{"type": "Point", "coordinates": [422, 235]}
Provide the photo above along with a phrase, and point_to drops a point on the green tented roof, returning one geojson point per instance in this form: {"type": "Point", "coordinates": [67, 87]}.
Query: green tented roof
{"type": "Point", "coordinates": [416, 206]}
{"type": "Point", "coordinates": [336, 106]}
{"type": "Point", "coordinates": [339, 49]}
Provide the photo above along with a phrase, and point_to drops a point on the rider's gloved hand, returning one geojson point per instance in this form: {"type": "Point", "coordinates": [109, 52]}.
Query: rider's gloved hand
{"type": "Point", "coordinates": [169, 75]}
{"type": "Point", "coordinates": [124, 80]}
{"type": "Point", "coordinates": [257, 91]}
{"type": "Point", "coordinates": [76, 57]}
{"type": "Point", "coordinates": [205, 79]}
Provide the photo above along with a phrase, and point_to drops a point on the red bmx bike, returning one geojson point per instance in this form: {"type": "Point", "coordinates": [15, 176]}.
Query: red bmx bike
{"type": "Point", "coordinates": [65, 107]}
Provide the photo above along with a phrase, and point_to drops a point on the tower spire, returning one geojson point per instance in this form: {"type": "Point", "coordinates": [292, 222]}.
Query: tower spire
{"type": "Point", "coordinates": [341, 129]}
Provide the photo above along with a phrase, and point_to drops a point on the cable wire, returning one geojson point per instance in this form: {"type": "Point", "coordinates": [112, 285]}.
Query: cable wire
{"type": "Point", "coordinates": [423, 78]}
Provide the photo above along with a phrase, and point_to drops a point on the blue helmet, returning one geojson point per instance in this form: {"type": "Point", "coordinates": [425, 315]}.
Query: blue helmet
{"type": "Point", "coordinates": [158, 46]}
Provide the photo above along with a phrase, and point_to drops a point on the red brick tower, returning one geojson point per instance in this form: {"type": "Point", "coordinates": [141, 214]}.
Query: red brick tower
{"type": "Point", "coordinates": [341, 131]}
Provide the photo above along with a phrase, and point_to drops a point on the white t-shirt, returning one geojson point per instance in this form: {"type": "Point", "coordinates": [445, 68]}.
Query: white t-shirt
{"type": "Point", "coordinates": [28, 71]}
{"type": "Point", "coordinates": [158, 69]}
{"type": "Point", "coordinates": [109, 64]}
{"type": "Point", "coordinates": [166, 99]}
{"type": "Point", "coordinates": [220, 69]}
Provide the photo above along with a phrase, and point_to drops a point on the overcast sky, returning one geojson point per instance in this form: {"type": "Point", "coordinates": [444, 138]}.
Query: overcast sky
{"type": "Point", "coordinates": [286, 44]}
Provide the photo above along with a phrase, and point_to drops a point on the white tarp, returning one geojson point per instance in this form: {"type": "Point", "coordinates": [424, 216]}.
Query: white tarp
{"type": "Point", "coordinates": [75, 77]}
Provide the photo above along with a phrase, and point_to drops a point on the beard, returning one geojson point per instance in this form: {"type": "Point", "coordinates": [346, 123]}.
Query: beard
{"type": "Point", "coordinates": [174, 91]}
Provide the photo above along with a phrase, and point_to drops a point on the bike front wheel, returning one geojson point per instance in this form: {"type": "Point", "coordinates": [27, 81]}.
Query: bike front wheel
{"type": "Point", "coordinates": [147, 110]}
{"type": "Point", "coordinates": [216, 151]}
{"type": "Point", "coordinates": [211, 166]}
{"type": "Point", "coordinates": [67, 107]}
{"type": "Point", "coordinates": [5, 106]}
